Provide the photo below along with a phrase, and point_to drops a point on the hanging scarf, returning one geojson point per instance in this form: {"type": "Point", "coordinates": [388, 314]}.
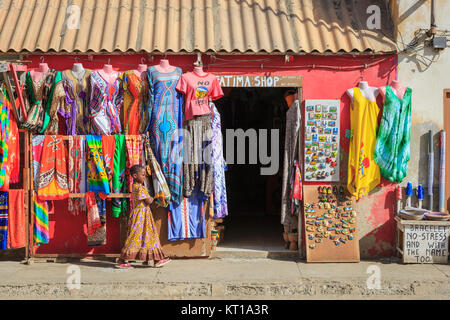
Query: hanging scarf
{"type": "Point", "coordinates": [97, 177]}
{"type": "Point", "coordinates": [197, 165]}
{"type": "Point", "coordinates": [16, 219]}
{"type": "Point", "coordinates": [14, 150]}
{"type": "Point", "coordinates": [134, 152]}
{"type": "Point", "coordinates": [118, 181]}
{"type": "Point", "coordinates": [96, 220]}
{"type": "Point", "coordinates": [160, 187]}
{"type": "Point", "coordinates": [40, 214]}
{"type": "Point", "coordinates": [77, 173]}
{"type": "Point", "coordinates": [220, 190]}
{"type": "Point", "coordinates": [4, 140]}
{"type": "Point", "coordinates": [3, 220]}
{"type": "Point", "coordinates": [38, 145]}
{"type": "Point", "coordinates": [53, 178]}
{"type": "Point", "coordinates": [109, 146]}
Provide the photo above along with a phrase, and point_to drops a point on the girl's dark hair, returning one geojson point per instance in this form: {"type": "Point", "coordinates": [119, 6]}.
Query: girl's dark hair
{"type": "Point", "coordinates": [135, 169]}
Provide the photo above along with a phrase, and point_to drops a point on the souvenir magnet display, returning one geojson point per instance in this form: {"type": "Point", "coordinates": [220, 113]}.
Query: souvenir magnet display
{"type": "Point", "coordinates": [323, 121]}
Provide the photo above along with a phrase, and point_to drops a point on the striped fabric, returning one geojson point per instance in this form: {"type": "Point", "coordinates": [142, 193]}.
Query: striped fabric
{"type": "Point", "coordinates": [40, 214]}
{"type": "Point", "coordinates": [3, 220]}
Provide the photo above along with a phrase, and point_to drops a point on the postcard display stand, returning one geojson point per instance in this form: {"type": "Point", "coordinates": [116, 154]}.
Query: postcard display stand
{"type": "Point", "coordinates": [322, 136]}
{"type": "Point", "coordinates": [330, 226]}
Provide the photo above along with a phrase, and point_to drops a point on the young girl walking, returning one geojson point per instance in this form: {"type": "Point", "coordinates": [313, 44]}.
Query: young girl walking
{"type": "Point", "coordinates": [142, 240]}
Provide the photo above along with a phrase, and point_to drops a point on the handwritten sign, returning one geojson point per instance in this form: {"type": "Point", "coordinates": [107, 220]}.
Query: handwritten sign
{"type": "Point", "coordinates": [239, 81]}
{"type": "Point", "coordinates": [425, 244]}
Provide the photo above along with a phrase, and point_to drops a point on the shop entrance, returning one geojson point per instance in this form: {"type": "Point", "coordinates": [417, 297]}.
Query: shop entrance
{"type": "Point", "coordinates": [254, 198]}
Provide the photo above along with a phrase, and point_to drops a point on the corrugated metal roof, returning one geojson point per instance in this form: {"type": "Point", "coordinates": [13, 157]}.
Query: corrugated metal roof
{"type": "Point", "coordinates": [242, 26]}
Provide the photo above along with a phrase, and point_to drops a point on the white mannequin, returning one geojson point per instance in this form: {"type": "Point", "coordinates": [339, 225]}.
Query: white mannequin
{"type": "Point", "coordinates": [164, 66]}
{"type": "Point", "coordinates": [78, 70]}
{"type": "Point", "coordinates": [369, 93]}
{"type": "Point", "coordinates": [199, 71]}
{"type": "Point", "coordinates": [108, 73]}
{"type": "Point", "coordinates": [37, 74]}
{"type": "Point", "coordinates": [140, 69]}
{"type": "Point", "coordinates": [397, 88]}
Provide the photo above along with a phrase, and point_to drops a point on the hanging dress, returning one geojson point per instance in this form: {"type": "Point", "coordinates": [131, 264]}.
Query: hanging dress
{"type": "Point", "coordinates": [218, 163]}
{"type": "Point", "coordinates": [392, 151]}
{"type": "Point", "coordinates": [165, 107]}
{"type": "Point", "coordinates": [76, 102]}
{"type": "Point", "coordinates": [363, 172]}
{"type": "Point", "coordinates": [43, 99]}
{"type": "Point", "coordinates": [105, 105]}
{"type": "Point", "coordinates": [134, 113]}
{"type": "Point", "coordinates": [5, 168]}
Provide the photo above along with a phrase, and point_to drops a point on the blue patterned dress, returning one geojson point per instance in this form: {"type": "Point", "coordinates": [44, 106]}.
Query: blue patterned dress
{"type": "Point", "coordinates": [165, 106]}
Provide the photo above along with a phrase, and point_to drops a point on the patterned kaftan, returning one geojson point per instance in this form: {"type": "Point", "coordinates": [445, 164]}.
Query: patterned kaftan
{"type": "Point", "coordinates": [76, 107]}
{"type": "Point", "coordinates": [134, 114]}
{"type": "Point", "coordinates": [166, 122]}
{"type": "Point", "coordinates": [106, 102]}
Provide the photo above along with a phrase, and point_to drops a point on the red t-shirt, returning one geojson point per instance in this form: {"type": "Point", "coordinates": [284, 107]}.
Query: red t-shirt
{"type": "Point", "coordinates": [197, 91]}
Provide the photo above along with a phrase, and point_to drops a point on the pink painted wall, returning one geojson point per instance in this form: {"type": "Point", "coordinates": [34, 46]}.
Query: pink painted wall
{"type": "Point", "coordinates": [324, 77]}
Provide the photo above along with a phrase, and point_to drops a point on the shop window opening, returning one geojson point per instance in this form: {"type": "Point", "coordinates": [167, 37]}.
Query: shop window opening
{"type": "Point", "coordinates": [254, 199]}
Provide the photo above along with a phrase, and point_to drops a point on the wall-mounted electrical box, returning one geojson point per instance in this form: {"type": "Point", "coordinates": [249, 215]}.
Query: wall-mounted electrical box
{"type": "Point", "coordinates": [439, 42]}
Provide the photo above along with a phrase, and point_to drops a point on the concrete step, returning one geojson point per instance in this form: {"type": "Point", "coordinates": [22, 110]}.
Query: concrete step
{"type": "Point", "coordinates": [254, 254]}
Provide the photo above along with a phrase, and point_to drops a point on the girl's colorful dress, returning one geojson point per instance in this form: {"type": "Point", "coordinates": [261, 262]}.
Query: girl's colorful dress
{"type": "Point", "coordinates": [393, 142]}
{"type": "Point", "coordinates": [106, 102]}
{"type": "Point", "coordinates": [363, 172]}
{"type": "Point", "coordinates": [134, 113]}
{"type": "Point", "coordinates": [142, 241]}
{"type": "Point", "coordinates": [76, 107]}
{"type": "Point", "coordinates": [165, 107]}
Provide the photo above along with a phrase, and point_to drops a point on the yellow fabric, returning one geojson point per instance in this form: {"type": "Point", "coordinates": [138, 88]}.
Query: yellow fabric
{"type": "Point", "coordinates": [363, 172]}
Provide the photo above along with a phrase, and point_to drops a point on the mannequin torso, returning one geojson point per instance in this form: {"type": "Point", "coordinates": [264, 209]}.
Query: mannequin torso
{"type": "Point", "coordinates": [397, 88]}
{"type": "Point", "coordinates": [108, 73]}
{"type": "Point", "coordinates": [78, 71]}
{"type": "Point", "coordinates": [199, 71]}
{"type": "Point", "coordinates": [140, 69]}
{"type": "Point", "coordinates": [369, 93]}
{"type": "Point", "coordinates": [37, 74]}
{"type": "Point", "coordinates": [165, 67]}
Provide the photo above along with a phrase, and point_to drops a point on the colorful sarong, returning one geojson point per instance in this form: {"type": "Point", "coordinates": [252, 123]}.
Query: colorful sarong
{"type": "Point", "coordinates": [53, 178]}
{"type": "Point", "coordinates": [38, 144]}
{"type": "Point", "coordinates": [16, 219]}
{"type": "Point", "coordinates": [40, 214]}
{"type": "Point", "coordinates": [4, 141]}
{"type": "Point", "coordinates": [3, 220]}
{"type": "Point", "coordinates": [109, 146]}
{"type": "Point", "coordinates": [118, 181]}
{"type": "Point", "coordinates": [96, 220]}
{"type": "Point", "coordinates": [97, 177]}
{"type": "Point", "coordinates": [14, 150]}
{"type": "Point", "coordinates": [218, 164]}
{"type": "Point", "coordinates": [134, 152]}
{"type": "Point", "coordinates": [187, 219]}
{"type": "Point", "coordinates": [161, 192]}
{"type": "Point", "coordinates": [77, 173]}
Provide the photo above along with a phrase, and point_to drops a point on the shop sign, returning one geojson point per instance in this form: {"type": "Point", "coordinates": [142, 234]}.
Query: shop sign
{"type": "Point", "coordinates": [260, 81]}
{"type": "Point", "coordinates": [425, 244]}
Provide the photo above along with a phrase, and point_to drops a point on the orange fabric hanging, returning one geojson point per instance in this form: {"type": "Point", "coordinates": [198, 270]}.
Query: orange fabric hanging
{"type": "Point", "coordinates": [16, 219]}
{"type": "Point", "coordinates": [53, 178]}
{"type": "Point", "coordinates": [109, 148]}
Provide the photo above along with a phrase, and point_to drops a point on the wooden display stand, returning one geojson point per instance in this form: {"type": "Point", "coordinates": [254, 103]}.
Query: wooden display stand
{"type": "Point", "coordinates": [415, 240]}
{"type": "Point", "coordinates": [327, 250]}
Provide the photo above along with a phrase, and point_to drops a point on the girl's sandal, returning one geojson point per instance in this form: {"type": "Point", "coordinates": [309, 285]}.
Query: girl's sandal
{"type": "Point", "coordinates": [160, 263]}
{"type": "Point", "coordinates": [124, 266]}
